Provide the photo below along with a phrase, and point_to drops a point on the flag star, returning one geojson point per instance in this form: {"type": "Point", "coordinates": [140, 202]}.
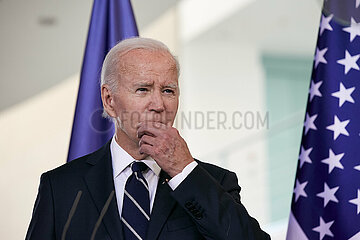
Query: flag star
{"type": "Point", "coordinates": [304, 156]}
{"type": "Point", "coordinates": [338, 127]}
{"type": "Point", "coordinates": [325, 23]}
{"type": "Point", "coordinates": [354, 29]}
{"type": "Point", "coordinates": [349, 62]}
{"type": "Point", "coordinates": [356, 201]}
{"type": "Point", "coordinates": [328, 194]}
{"type": "Point", "coordinates": [324, 229]}
{"type": "Point", "coordinates": [344, 94]}
{"type": "Point", "coordinates": [299, 190]}
{"type": "Point", "coordinates": [333, 160]}
{"type": "Point", "coordinates": [358, 166]}
{"type": "Point", "coordinates": [355, 237]}
{"type": "Point", "coordinates": [319, 56]}
{"type": "Point", "coordinates": [309, 122]}
{"type": "Point", "coordinates": [314, 89]}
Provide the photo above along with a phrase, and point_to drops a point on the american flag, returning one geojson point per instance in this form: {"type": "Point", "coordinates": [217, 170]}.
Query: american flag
{"type": "Point", "coordinates": [326, 196]}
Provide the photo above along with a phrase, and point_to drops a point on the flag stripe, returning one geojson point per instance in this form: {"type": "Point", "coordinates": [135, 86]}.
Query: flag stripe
{"type": "Point", "coordinates": [326, 202]}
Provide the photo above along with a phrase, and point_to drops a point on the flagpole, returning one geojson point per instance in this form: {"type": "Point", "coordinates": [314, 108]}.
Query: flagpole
{"type": "Point", "coordinates": [111, 21]}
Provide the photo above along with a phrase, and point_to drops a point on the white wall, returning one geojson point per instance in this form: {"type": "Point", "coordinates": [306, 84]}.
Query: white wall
{"type": "Point", "coordinates": [215, 79]}
{"type": "Point", "coordinates": [34, 138]}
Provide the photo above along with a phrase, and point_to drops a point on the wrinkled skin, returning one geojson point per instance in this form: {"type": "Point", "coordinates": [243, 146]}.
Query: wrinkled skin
{"type": "Point", "coordinates": [144, 105]}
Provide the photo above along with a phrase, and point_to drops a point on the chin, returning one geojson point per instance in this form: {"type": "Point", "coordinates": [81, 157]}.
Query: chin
{"type": "Point", "coordinates": [142, 156]}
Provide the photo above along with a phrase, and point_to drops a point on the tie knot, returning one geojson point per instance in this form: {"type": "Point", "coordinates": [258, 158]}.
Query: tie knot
{"type": "Point", "coordinates": [138, 167]}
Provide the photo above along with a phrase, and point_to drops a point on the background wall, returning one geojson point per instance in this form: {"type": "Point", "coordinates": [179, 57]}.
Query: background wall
{"type": "Point", "coordinates": [247, 60]}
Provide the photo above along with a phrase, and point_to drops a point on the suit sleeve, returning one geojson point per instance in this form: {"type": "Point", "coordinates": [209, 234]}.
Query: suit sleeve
{"type": "Point", "coordinates": [216, 207]}
{"type": "Point", "coordinates": [42, 221]}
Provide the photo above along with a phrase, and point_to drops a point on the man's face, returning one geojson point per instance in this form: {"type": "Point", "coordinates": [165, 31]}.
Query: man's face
{"type": "Point", "coordinates": [147, 91]}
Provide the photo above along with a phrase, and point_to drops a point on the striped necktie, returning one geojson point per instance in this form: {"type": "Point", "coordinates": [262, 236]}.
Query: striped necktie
{"type": "Point", "coordinates": [135, 214]}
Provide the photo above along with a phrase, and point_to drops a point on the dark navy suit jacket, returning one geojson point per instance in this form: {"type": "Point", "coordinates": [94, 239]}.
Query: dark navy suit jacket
{"type": "Point", "coordinates": [78, 197]}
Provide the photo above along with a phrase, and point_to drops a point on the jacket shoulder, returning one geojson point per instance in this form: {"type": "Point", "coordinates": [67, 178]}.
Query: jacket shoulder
{"type": "Point", "coordinates": [76, 166]}
{"type": "Point", "coordinates": [214, 170]}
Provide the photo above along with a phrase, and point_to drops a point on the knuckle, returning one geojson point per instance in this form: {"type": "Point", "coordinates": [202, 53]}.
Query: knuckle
{"type": "Point", "coordinates": [166, 137]}
{"type": "Point", "coordinates": [157, 151]}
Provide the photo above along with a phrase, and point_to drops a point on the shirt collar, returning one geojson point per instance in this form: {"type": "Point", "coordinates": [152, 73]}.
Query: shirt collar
{"type": "Point", "coordinates": [121, 159]}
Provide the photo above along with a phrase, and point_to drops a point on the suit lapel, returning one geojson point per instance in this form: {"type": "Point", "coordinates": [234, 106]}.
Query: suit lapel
{"type": "Point", "coordinates": [100, 183]}
{"type": "Point", "coordinates": [161, 210]}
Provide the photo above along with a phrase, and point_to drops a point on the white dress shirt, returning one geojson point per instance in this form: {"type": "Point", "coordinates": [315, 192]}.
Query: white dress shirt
{"type": "Point", "coordinates": [121, 161]}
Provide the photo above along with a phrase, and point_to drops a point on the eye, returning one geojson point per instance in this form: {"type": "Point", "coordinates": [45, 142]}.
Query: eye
{"type": "Point", "coordinates": [141, 90]}
{"type": "Point", "coordinates": [169, 91]}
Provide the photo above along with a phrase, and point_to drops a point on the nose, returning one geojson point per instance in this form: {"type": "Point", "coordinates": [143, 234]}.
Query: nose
{"type": "Point", "coordinates": [156, 102]}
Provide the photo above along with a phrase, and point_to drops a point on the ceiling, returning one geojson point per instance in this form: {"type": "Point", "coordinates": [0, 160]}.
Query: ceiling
{"type": "Point", "coordinates": [42, 42]}
{"type": "Point", "coordinates": [280, 27]}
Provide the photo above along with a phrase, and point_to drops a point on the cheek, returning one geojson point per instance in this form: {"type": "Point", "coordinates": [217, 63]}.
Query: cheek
{"type": "Point", "coordinates": [132, 114]}
{"type": "Point", "coordinates": [129, 105]}
{"type": "Point", "coordinates": [173, 102]}
{"type": "Point", "coordinates": [172, 106]}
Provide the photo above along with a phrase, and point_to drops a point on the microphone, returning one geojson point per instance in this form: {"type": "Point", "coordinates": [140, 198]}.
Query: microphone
{"type": "Point", "coordinates": [71, 214]}
{"type": "Point", "coordinates": [98, 222]}
{"type": "Point", "coordinates": [102, 213]}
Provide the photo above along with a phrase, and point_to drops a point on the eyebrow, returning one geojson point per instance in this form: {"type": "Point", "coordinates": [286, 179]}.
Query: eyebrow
{"type": "Point", "coordinates": [145, 84]}
{"type": "Point", "coordinates": [171, 86]}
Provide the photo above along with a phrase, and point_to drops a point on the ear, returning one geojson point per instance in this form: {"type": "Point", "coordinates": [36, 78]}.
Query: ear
{"type": "Point", "coordinates": [108, 100]}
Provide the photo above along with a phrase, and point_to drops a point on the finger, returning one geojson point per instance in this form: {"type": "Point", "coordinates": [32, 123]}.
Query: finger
{"type": "Point", "coordinates": [145, 139]}
{"type": "Point", "coordinates": [153, 129]}
{"type": "Point", "coordinates": [146, 149]}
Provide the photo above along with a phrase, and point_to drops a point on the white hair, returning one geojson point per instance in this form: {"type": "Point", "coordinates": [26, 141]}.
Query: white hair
{"type": "Point", "coordinates": [109, 70]}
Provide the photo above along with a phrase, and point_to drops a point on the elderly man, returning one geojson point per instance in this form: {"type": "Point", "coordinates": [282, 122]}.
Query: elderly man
{"type": "Point", "coordinates": [144, 183]}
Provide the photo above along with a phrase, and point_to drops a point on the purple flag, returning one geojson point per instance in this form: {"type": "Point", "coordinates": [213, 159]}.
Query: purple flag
{"type": "Point", "coordinates": [111, 22]}
{"type": "Point", "coordinates": [326, 197]}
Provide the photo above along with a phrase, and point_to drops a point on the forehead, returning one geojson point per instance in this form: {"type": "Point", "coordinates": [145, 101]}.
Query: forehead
{"type": "Point", "coordinates": [138, 61]}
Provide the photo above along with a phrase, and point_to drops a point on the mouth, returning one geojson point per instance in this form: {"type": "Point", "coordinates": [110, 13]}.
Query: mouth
{"type": "Point", "coordinates": [155, 120]}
